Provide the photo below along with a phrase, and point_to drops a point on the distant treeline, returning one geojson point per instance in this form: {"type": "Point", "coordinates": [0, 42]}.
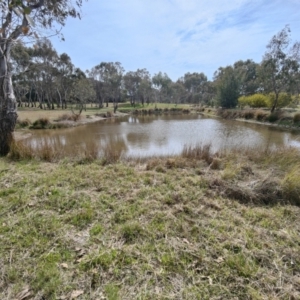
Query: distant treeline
{"type": "Point", "coordinates": [48, 80]}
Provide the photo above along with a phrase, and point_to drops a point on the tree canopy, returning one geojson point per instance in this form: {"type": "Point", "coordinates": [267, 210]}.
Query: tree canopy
{"type": "Point", "coordinates": [23, 18]}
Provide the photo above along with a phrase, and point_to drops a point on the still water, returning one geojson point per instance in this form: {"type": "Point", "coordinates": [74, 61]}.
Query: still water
{"type": "Point", "coordinates": [163, 135]}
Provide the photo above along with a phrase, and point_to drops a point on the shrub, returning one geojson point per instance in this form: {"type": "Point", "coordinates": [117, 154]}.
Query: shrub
{"type": "Point", "coordinates": [256, 100]}
{"type": "Point", "coordinates": [273, 117]}
{"type": "Point", "coordinates": [24, 123]}
{"type": "Point", "coordinates": [284, 99]}
{"type": "Point", "coordinates": [42, 123]}
{"type": "Point", "coordinates": [243, 101]}
{"type": "Point", "coordinates": [296, 118]}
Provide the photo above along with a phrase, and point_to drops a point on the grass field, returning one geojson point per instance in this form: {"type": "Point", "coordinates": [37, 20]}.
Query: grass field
{"type": "Point", "coordinates": [185, 227]}
{"type": "Point", "coordinates": [33, 114]}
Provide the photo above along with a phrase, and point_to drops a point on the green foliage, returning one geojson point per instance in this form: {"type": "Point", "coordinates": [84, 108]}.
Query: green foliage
{"type": "Point", "coordinates": [273, 117]}
{"type": "Point", "coordinates": [256, 100]}
{"type": "Point", "coordinates": [96, 229]}
{"type": "Point", "coordinates": [112, 292]}
{"type": "Point", "coordinates": [284, 99]}
{"type": "Point", "coordinates": [227, 89]}
{"type": "Point", "coordinates": [131, 232]}
{"type": "Point", "coordinates": [291, 185]}
{"type": "Point", "coordinates": [296, 118]}
{"type": "Point", "coordinates": [279, 66]}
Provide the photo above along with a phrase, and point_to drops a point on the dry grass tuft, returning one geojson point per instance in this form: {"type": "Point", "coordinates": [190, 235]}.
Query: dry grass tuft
{"type": "Point", "coordinates": [248, 114]}
{"type": "Point", "coordinates": [261, 115]}
{"type": "Point", "coordinates": [20, 151]}
{"type": "Point", "coordinates": [111, 154]}
{"type": "Point", "coordinates": [69, 117]}
{"type": "Point", "coordinates": [45, 152]}
{"type": "Point", "coordinates": [198, 152]}
{"type": "Point", "coordinates": [23, 123]}
{"type": "Point", "coordinates": [216, 164]}
{"type": "Point", "coordinates": [291, 185]}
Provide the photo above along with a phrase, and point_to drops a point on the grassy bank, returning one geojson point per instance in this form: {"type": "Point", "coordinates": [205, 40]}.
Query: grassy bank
{"type": "Point", "coordinates": [186, 227]}
{"type": "Point", "coordinates": [34, 118]}
{"type": "Point", "coordinates": [282, 118]}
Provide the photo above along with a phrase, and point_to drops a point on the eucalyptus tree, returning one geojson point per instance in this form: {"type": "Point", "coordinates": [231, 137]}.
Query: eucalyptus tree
{"type": "Point", "coordinates": [179, 93]}
{"type": "Point", "coordinates": [145, 86]}
{"type": "Point", "coordinates": [279, 64]}
{"type": "Point", "coordinates": [96, 76]}
{"type": "Point", "coordinates": [195, 84]}
{"type": "Point", "coordinates": [64, 79]}
{"type": "Point", "coordinates": [20, 63]}
{"type": "Point", "coordinates": [138, 85]}
{"type": "Point", "coordinates": [131, 83]}
{"type": "Point", "coordinates": [162, 86]}
{"type": "Point", "coordinates": [19, 17]}
{"type": "Point", "coordinates": [112, 77]}
{"type": "Point", "coordinates": [45, 58]}
{"type": "Point", "coordinates": [82, 92]}
{"type": "Point", "coordinates": [247, 74]}
{"type": "Point", "coordinates": [107, 78]}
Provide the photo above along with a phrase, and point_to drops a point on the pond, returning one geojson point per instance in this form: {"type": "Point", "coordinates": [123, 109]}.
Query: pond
{"type": "Point", "coordinates": [163, 135]}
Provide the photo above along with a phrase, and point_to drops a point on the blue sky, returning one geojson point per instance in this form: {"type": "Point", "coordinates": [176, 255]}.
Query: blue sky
{"type": "Point", "coordinates": [175, 36]}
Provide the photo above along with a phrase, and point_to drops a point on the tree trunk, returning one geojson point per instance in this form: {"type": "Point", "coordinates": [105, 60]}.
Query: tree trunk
{"type": "Point", "coordinates": [275, 102]}
{"type": "Point", "coordinates": [8, 107]}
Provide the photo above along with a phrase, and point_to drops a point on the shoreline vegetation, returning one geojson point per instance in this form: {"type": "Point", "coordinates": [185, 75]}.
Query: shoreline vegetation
{"type": "Point", "coordinates": [193, 226]}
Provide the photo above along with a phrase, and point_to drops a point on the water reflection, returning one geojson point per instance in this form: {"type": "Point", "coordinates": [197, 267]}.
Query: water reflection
{"type": "Point", "coordinates": [162, 135]}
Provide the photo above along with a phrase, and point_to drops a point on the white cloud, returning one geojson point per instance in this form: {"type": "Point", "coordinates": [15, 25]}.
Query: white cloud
{"type": "Point", "coordinates": [176, 36]}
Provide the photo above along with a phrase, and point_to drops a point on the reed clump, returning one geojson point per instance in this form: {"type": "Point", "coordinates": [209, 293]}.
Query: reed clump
{"type": "Point", "coordinates": [19, 150]}
{"type": "Point", "coordinates": [261, 115]}
{"type": "Point", "coordinates": [111, 154]}
{"type": "Point", "coordinates": [23, 123]}
{"type": "Point", "coordinates": [45, 152]}
{"type": "Point", "coordinates": [202, 152]}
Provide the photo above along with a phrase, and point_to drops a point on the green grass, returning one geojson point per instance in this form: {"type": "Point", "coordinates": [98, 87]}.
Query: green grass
{"type": "Point", "coordinates": [159, 228]}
